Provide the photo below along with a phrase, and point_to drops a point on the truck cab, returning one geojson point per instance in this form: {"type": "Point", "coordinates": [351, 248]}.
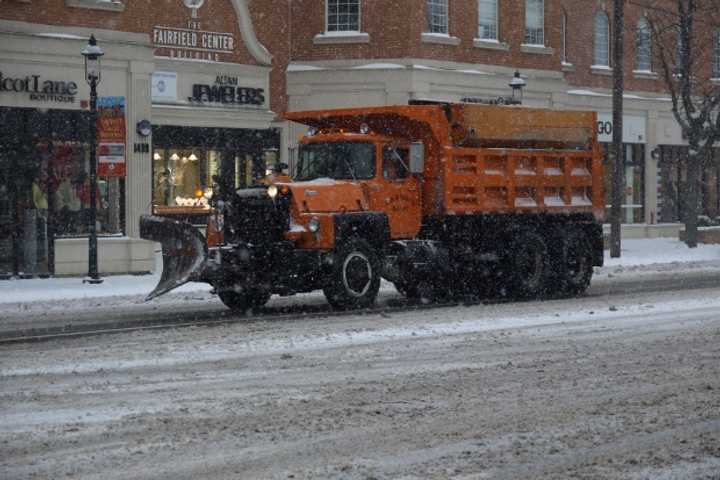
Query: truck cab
{"type": "Point", "coordinates": [342, 173]}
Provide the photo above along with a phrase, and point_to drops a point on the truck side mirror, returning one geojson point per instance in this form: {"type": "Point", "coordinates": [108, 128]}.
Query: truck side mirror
{"type": "Point", "coordinates": [417, 157]}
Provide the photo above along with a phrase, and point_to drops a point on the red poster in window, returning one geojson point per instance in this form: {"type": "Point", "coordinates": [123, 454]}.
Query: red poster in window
{"type": "Point", "coordinates": [111, 136]}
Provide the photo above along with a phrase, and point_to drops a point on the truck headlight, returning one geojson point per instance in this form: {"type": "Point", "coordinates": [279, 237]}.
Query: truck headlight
{"type": "Point", "coordinates": [272, 191]}
{"type": "Point", "coordinates": [314, 224]}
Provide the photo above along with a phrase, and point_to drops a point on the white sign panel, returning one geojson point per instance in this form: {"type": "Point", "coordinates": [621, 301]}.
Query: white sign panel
{"type": "Point", "coordinates": [633, 128]}
{"type": "Point", "coordinates": [164, 86]}
{"type": "Point", "coordinates": [111, 152]}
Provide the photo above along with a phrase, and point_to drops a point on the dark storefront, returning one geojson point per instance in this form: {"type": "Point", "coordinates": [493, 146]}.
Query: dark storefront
{"type": "Point", "coordinates": [188, 161]}
{"type": "Point", "coordinates": [45, 188]}
{"type": "Point", "coordinates": [672, 185]}
{"type": "Point", "coordinates": [633, 196]}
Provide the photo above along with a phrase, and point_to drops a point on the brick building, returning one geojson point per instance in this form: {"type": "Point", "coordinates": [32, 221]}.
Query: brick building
{"type": "Point", "coordinates": [213, 78]}
{"type": "Point", "coordinates": [348, 52]}
{"type": "Point", "coordinates": [199, 72]}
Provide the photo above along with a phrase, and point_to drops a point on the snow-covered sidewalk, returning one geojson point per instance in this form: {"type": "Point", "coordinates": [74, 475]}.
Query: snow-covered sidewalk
{"type": "Point", "coordinates": [639, 256]}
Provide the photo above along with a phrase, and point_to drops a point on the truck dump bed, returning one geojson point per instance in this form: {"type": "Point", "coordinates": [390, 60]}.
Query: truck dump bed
{"type": "Point", "coordinates": [491, 159]}
{"type": "Point", "coordinates": [503, 180]}
{"type": "Point", "coordinates": [507, 159]}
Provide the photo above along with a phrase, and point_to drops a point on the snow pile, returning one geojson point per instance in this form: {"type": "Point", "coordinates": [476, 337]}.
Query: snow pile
{"type": "Point", "coordinates": [661, 254]}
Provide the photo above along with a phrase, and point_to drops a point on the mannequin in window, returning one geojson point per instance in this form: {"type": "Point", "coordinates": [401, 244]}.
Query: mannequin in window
{"type": "Point", "coordinates": [163, 187]}
{"type": "Point", "coordinates": [187, 180]}
{"type": "Point", "coordinates": [67, 203]}
{"type": "Point", "coordinates": [40, 202]}
{"type": "Point", "coordinates": [39, 193]}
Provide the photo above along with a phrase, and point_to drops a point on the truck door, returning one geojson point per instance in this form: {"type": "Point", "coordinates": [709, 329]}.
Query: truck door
{"type": "Point", "coordinates": [397, 192]}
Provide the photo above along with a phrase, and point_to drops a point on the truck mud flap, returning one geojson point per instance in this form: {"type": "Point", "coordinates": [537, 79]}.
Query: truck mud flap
{"type": "Point", "coordinates": [184, 251]}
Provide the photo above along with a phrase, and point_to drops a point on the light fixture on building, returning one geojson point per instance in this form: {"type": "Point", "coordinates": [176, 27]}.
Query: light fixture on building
{"type": "Point", "coordinates": [157, 156]}
{"type": "Point", "coordinates": [193, 157]}
{"type": "Point", "coordinates": [143, 128]}
{"type": "Point", "coordinates": [517, 84]}
{"type": "Point", "coordinates": [92, 54]}
{"type": "Point", "coordinates": [174, 157]}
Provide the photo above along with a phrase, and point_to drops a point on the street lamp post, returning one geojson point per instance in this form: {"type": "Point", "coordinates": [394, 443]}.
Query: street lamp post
{"type": "Point", "coordinates": [92, 54]}
{"type": "Point", "coordinates": [517, 84]}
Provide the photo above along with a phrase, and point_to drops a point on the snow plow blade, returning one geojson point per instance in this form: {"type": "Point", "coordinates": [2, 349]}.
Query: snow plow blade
{"type": "Point", "coordinates": [183, 249]}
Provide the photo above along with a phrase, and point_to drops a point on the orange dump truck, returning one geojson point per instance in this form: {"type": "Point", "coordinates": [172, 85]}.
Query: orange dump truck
{"type": "Point", "coordinates": [439, 199]}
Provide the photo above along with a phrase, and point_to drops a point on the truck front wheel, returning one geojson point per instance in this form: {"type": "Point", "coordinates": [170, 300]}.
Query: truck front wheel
{"type": "Point", "coordinates": [242, 301]}
{"type": "Point", "coordinates": [354, 279]}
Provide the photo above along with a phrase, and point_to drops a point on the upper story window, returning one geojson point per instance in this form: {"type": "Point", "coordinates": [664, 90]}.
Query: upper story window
{"type": "Point", "coordinates": [112, 5]}
{"type": "Point", "coordinates": [716, 55]}
{"type": "Point", "coordinates": [643, 46]}
{"type": "Point", "coordinates": [534, 22]}
{"type": "Point", "coordinates": [437, 16]}
{"type": "Point", "coordinates": [487, 20]}
{"type": "Point", "coordinates": [343, 15]}
{"type": "Point", "coordinates": [601, 53]}
{"type": "Point", "coordinates": [564, 39]}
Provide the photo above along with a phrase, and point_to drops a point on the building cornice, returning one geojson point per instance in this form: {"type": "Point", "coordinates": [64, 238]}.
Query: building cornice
{"type": "Point", "coordinates": [247, 32]}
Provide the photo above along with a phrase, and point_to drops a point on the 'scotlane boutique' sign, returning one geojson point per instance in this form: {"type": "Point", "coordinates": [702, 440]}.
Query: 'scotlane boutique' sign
{"type": "Point", "coordinates": [40, 90]}
{"type": "Point", "coordinates": [226, 90]}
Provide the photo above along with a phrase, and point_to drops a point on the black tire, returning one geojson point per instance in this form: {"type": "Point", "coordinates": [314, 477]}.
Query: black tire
{"type": "Point", "coordinates": [577, 264]}
{"type": "Point", "coordinates": [354, 278]}
{"type": "Point", "coordinates": [245, 300]}
{"type": "Point", "coordinates": [526, 266]}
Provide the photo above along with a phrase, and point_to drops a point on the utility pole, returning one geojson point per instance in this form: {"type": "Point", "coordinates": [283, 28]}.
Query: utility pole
{"type": "Point", "coordinates": [619, 154]}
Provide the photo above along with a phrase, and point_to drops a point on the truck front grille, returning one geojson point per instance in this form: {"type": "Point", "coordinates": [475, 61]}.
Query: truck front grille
{"type": "Point", "coordinates": [253, 217]}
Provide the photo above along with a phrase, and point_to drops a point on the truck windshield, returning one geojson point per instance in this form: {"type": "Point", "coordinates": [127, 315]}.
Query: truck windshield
{"type": "Point", "coordinates": [337, 160]}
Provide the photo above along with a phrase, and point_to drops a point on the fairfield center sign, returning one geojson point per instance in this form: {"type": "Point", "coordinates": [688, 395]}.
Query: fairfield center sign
{"type": "Point", "coordinates": [191, 43]}
{"type": "Point", "coordinates": [190, 40]}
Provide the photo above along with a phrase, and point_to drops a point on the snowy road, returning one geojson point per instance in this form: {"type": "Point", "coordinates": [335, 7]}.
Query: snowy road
{"type": "Point", "coordinates": [616, 387]}
{"type": "Point", "coordinates": [87, 314]}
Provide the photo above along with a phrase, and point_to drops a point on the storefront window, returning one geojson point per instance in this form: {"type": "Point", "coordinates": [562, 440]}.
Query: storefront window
{"type": "Point", "coordinates": [189, 163]}
{"type": "Point", "coordinates": [45, 188]}
{"type": "Point", "coordinates": [672, 188]}
{"type": "Point", "coordinates": [183, 177]}
{"type": "Point", "coordinates": [633, 196]}
{"type": "Point", "coordinates": [63, 173]}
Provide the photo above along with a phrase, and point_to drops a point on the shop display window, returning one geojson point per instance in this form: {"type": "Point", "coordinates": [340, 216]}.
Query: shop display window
{"type": "Point", "coordinates": [61, 187]}
{"type": "Point", "coordinates": [189, 164]}
{"type": "Point", "coordinates": [183, 179]}
{"type": "Point", "coordinates": [45, 188]}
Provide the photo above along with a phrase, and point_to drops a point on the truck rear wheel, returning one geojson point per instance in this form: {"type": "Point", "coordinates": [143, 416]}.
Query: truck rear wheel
{"type": "Point", "coordinates": [242, 301]}
{"type": "Point", "coordinates": [527, 263]}
{"type": "Point", "coordinates": [354, 280]}
{"type": "Point", "coordinates": [577, 264]}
